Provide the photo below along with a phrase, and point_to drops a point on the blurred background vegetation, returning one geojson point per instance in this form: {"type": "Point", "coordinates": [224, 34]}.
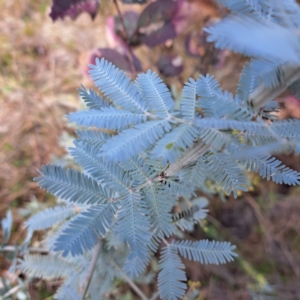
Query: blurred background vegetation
{"type": "Point", "coordinates": [42, 63]}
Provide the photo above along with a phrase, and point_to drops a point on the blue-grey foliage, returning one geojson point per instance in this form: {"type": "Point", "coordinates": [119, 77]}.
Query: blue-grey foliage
{"type": "Point", "coordinates": [50, 216]}
{"type": "Point", "coordinates": [187, 218]}
{"type": "Point", "coordinates": [6, 224]}
{"type": "Point", "coordinates": [133, 226]}
{"type": "Point", "coordinates": [271, 168]}
{"type": "Point", "coordinates": [83, 231]}
{"type": "Point", "coordinates": [135, 140]}
{"type": "Point", "coordinates": [173, 144]}
{"type": "Point", "coordinates": [72, 186]}
{"type": "Point", "coordinates": [155, 94]}
{"type": "Point", "coordinates": [269, 39]}
{"type": "Point", "coordinates": [107, 117]}
{"type": "Point", "coordinates": [91, 99]}
{"type": "Point", "coordinates": [171, 278]}
{"type": "Point", "coordinates": [115, 85]}
{"type": "Point", "coordinates": [139, 154]}
{"type": "Point", "coordinates": [160, 204]}
{"type": "Point", "coordinates": [207, 252]}
{"type": "Point", "coordinates": [189, 98]}
{"type": "Point", "coordinates": [49, 267]}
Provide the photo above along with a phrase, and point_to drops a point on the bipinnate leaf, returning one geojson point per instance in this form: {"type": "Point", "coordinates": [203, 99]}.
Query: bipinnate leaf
{"type": "Point", "coordinates": [189, 98]}
{"type": "Point", "coordinates": [114, 84]}
{"type": "Point", "coordinates": [160, 204]}
{"type": "Point", "coordinates": [72, 186]}
{"type": "Point", "coordinates": [106, 117]}
{"type": "Point", "coordinates": [143, 153]}
{"type": "Point", "coordinates": [91, 99]}
{"type": "Point", "coordinates": [171, 278]}
{"type": "Point", "coordinates": [83, 231]}
{"type": "Point", "coordinates": [256, 38]}
{"type": "Point", "coordinates": [50, 216]}
{"type": "Point", "coordinates": [174, 144]}
{"type": "Point", "coordinates": [134, 228]}
{"type": "Point", "coordinates": [155, 94]}
{"type": "Point", "coordinates": [45, 266]}
{"type": "Point", "coordinates": [108, 174]}
{"type": "Point", "coordinates": [207, 252]}
{"type": "Point", "coordinates": [135, 140]}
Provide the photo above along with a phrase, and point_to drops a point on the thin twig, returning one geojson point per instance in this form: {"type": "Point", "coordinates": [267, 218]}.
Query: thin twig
{"type": "Point", "coordinates": [260, 218]}
{"type": "Point", "coordinates": [262, 95]}
{"type": "Point", "coordinates": [91, 268]}
{"type": "Point", "coordinates": [195, 152]}
{"type": "Point", "coordinates": [156, 295]}
{"type": "Point", "coordinates": [130, 54]}
{"type": "Point", "coordinates": [130, 282]}
{"type": "Point", "coordinates": [17, 249]}
{"type": "Point", "coordinates": [166, 243]}
{"type": "Point", "coordinates": [191, 155]}
{"type": "Point", "coordinates": [16, 288]}
{"type": "Point", "coordinates": [265, 224]}
{"type": "Point", "coordinates": [12, 291]}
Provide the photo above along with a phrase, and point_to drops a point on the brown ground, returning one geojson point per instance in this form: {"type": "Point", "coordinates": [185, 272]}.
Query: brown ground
{"type": "Point", "coordinates": [41, 66]}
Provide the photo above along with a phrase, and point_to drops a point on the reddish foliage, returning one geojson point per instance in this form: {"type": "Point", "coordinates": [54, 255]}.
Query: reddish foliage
{"type": "Point", "coordinates": [72, 8]}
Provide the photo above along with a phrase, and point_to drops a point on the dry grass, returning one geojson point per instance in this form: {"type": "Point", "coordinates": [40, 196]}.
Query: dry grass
{"type": "Point", "coordinates": [39, 75]}
{"type": "Point", "coordinates": [41, 66]}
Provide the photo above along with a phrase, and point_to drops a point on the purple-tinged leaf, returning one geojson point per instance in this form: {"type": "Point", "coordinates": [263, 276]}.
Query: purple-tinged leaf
{"type": "Point", "coordinates": [154, 25]}
{"type": "Point", "coordinates": [114, 40]}
{"type": "Point", "coordinates": [158, 11]}
{"type": "Point", "coordinates": [122, 58]}
{"type": "Point", "coordinates": [131, 19]}
{"type": "Point", "coordinates": [72, 8]}
{"type": "Point", "coordinates": [163, 20]}
{"type": "Point", "coordinates": [115, 33]}
{"type": "Point", "coordinates": [170, 65]}
{"type": "Point", "coordinates": [159, 36]}
{"type": "Point", "coordinates": [134, 1]}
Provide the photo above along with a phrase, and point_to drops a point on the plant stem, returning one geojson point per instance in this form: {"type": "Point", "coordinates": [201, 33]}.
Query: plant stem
{"type": "Point", "coordinates": [191, 155]}
{"type": "Point", "coordinates": [17, 249]}
{"type": "Point", "coordinates": [166, 243]}
{"type": "Point", "coordinates": [156, 295]}
{"type": "Point", "coordinates": [130, 54]}
{"type": "Point", "coordinates": [262, 95]}
{"type": "Point", "coordinates": [91, 268]}
{"type": "Point", "coordinates": [130, 282]}
{"type": "Point", "coordinates": [12, 291]}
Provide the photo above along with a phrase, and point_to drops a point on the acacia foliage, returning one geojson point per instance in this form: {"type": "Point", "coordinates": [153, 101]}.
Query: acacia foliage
{"type": "Point", "coordinates": [135, 136]}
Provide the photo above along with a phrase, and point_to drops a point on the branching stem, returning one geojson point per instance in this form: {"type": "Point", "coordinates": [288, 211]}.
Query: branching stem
{"type": "Point", "coordinates": [198, 150]}
{"type": "Point", "coordinates": [262, 95]}
{"type": "Point", "coordinates": [130, 282]}
{"type": "Point", "coordinates": [91, 269]}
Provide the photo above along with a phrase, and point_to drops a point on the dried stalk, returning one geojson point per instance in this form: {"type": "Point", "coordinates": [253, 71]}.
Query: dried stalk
{"type": "Point", "coordinates": [191, 155]}
{"type": "Point", "coordinates": [262, 95]}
